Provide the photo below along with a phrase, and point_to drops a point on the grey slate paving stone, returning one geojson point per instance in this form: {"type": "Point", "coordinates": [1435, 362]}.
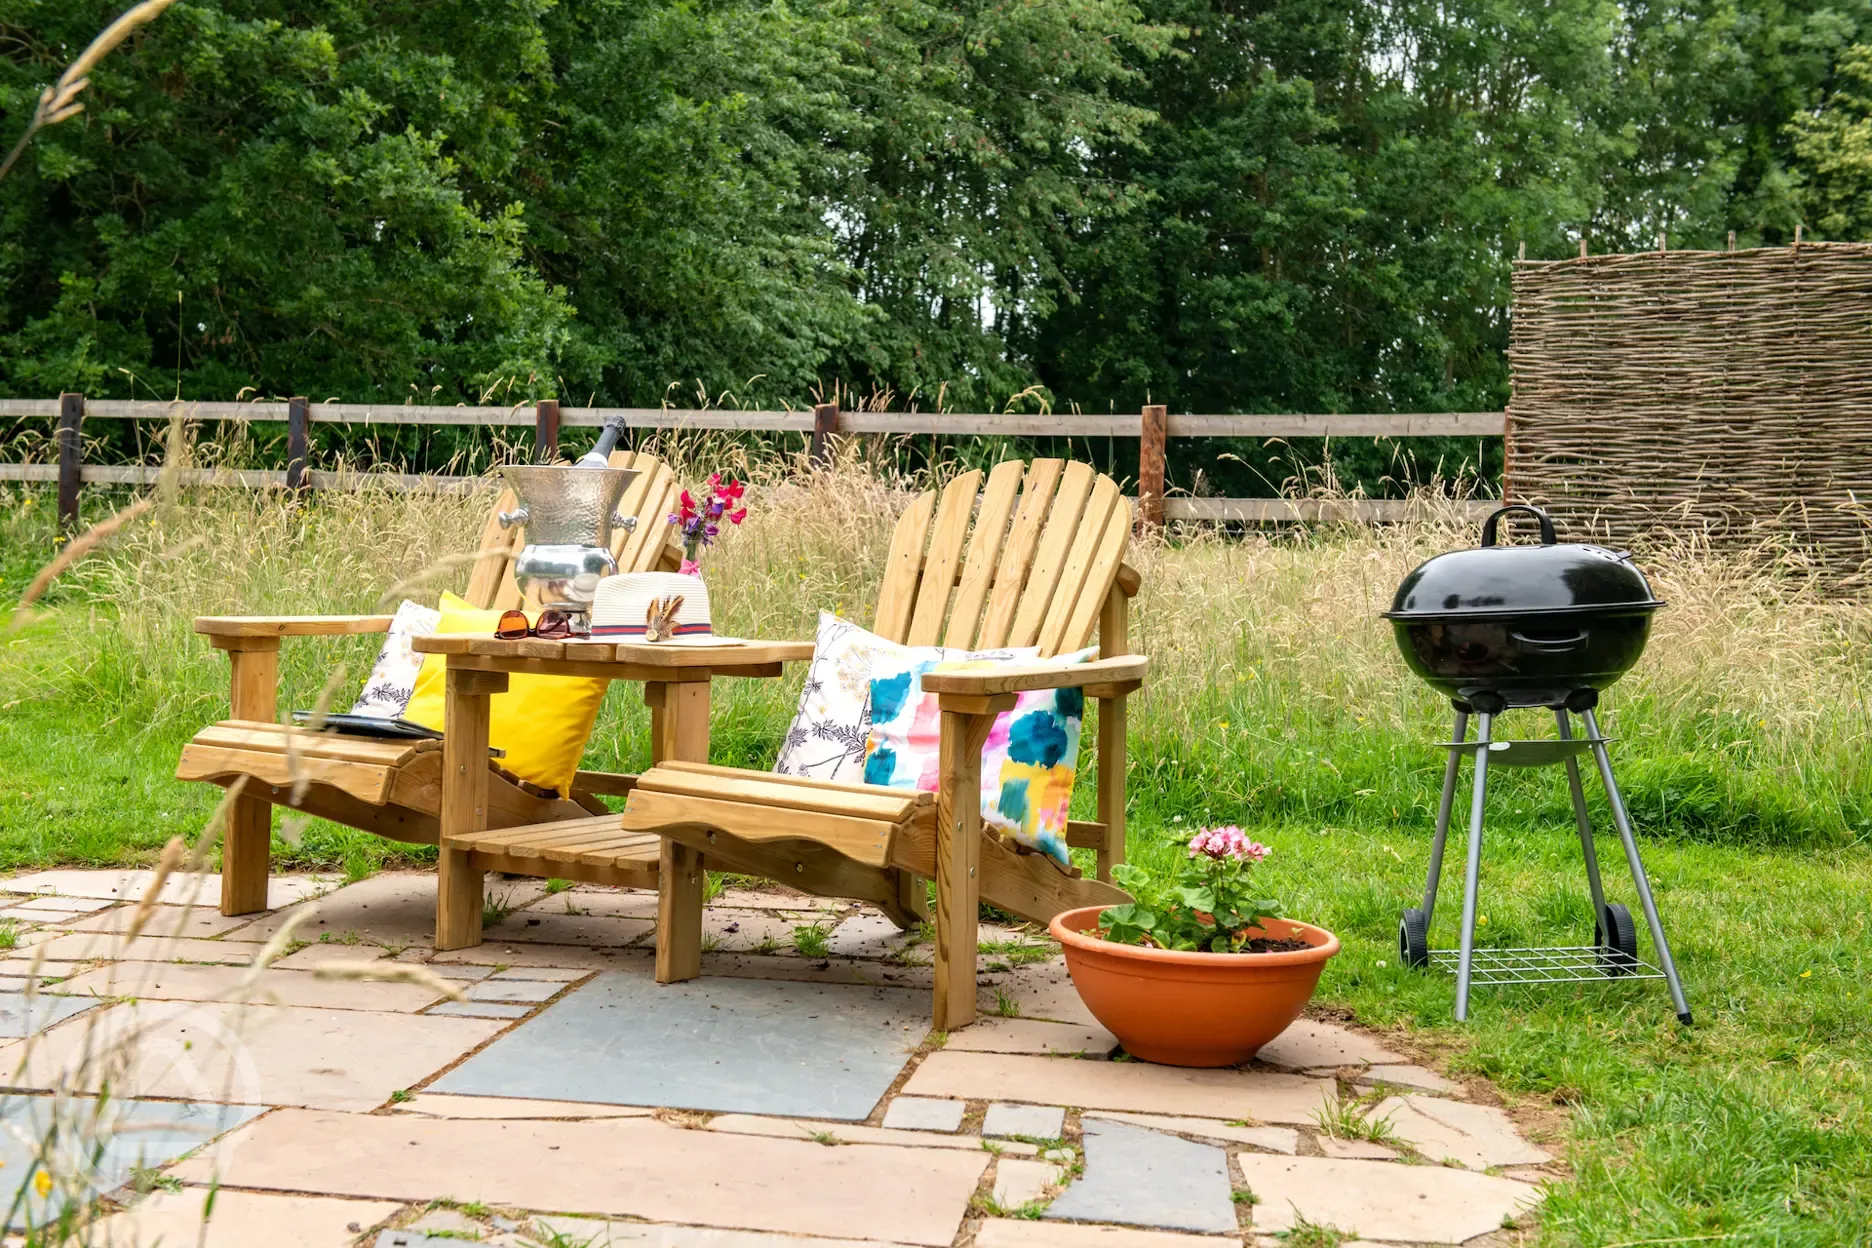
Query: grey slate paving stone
{"type": "Point", "coordinates": [1140, 1177]}
{"type": "Point", "coordinates": [458, 970]}
{"type": "Point", "coordinates": [132, 1135]}
{"type": "Point", "coordinates": [803, 1050]}
{"type": "Point", "coordinates": [20, 1018]}
{"type": "Point", "coordinates": [924, 1113]}
{"type": "Point", "coordinates": [482, 1009]}
{"type": "Point", "coordinates": [1038, 1122]}
{"type": "Point", "coordinates": [529, 991]}
{"type": "Point", "coordinates": [540, 974]}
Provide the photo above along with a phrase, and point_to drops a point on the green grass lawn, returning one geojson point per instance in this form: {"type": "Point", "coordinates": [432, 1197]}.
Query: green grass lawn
{"type": "Point", "coordinates": [1742, 747]}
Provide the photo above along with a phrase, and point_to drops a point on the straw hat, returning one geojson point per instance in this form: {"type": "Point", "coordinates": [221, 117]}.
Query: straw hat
{"type": "Point", "coordinates": [624, 604]}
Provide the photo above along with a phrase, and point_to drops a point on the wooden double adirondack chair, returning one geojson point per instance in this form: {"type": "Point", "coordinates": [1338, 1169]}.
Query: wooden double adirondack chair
{"type": "Point", "coordinates": [389, 787]}
{"type": "Point", "coordinates": [1040, 566]}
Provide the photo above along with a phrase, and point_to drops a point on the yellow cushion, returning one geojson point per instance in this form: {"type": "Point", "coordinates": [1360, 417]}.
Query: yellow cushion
{"type": "Point", "coordinates": [542, 722]}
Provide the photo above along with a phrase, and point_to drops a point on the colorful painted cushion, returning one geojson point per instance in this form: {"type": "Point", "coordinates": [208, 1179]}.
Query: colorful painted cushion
{"type": "Point", "coordinates": [392, 681]}
{"type": "Point", "coordinates": [833, 721]}
{"type": "Point", "coordinates": [1028, 765]}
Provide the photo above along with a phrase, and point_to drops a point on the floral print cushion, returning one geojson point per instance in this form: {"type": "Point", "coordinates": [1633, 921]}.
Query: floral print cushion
{"type": "Point", "coordinates": [1028, 765]}
{"type": "Point", "coordinates": [392, 681]}
{"type": "Point", "coordinates": [830, 728]}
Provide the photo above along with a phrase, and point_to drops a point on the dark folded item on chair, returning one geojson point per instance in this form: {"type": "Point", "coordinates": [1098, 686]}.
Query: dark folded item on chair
{"type": "Point", "coordinates": [371, 726]}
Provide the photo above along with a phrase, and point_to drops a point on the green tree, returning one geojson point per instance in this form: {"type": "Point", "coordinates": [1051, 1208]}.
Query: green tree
{"type": "Point", "coordinates": [1835, 149]}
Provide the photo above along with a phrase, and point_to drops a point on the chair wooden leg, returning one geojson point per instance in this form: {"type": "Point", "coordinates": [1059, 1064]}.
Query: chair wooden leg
{"type": "Point", "coordinates": [247, 833]}
{"type": "Point", "coordinates": [958, 865]}
{"type": "Point", "coordinates": [464, 804]}
{"type": "Point", "coordinates": [1111, 784]}
{"type": "Point", "coordinates": [679, 729]}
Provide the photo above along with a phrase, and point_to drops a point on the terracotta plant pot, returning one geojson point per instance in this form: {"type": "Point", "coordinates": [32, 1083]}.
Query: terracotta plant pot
{"type": "Point", "coordinates": [1192, 1009]}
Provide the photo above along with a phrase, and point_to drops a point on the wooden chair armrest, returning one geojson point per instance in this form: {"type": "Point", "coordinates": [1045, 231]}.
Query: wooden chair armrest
{"type": "Point", "coordinates": [243, 626]}
{"type": "Point", "coordinates": [1017, 677]}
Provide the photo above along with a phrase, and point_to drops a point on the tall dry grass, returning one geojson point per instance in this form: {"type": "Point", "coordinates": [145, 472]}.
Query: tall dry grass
{"type": "Point", "coordinates": [1276, 693]}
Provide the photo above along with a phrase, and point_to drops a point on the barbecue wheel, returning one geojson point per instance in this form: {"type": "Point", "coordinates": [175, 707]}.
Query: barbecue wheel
{"type": "Point", "coordinates": [1616, 939]}
{"type": "Point", "coordinates": [1413, 939]}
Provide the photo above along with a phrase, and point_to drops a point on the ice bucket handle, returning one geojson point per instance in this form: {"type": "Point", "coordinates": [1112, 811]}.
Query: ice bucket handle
{"type": "Point", "coordinates": [508, 519]}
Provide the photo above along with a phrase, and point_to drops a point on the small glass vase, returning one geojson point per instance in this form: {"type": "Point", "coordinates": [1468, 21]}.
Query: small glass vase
{"type": "Point", "coordinates": [692, 556]}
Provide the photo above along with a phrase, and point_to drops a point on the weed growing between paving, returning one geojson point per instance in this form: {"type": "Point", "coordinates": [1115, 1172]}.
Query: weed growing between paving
{"type": "Point", "coordinates": [1276, 701]}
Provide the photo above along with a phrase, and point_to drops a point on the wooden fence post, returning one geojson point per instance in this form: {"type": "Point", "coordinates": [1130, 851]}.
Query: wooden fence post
{"type": "Point", "coordinates": [298, 441]}
{"type": "Point", "coordinates": [546, 431]}
{"type": "Point", "coordinates": [824, 425]}
{"type": "Point", "coordinates": [70, 461]}
{"type": "Point", "coordinates": [1151, 465]}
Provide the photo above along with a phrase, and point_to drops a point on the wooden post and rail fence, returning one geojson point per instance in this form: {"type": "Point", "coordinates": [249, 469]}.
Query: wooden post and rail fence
{"type": "Point", "coordinates": [1153, 428]}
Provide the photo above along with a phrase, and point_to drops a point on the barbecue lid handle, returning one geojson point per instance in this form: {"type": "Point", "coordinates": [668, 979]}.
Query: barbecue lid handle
{"type": "Point", "coordinates": [1546, 523]}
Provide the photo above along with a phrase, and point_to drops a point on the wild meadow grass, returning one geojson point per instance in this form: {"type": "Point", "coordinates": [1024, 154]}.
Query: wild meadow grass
{"type": "Point", "coordinates": [1276, 701]}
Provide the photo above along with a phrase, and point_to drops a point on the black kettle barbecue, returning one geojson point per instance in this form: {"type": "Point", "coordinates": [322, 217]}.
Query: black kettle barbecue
{"type": "Point", "coordinates": [1499, 628]}
{"type": "Point", "coordinates": [1523, 625]}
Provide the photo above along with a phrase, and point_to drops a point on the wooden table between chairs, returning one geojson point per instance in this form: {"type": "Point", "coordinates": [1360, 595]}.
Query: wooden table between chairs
{"type": "Point", "coordinates": [676, 681]}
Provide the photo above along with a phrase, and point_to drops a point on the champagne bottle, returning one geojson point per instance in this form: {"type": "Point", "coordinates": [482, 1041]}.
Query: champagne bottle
{"type": "Point", "coordinates": [600, 455]}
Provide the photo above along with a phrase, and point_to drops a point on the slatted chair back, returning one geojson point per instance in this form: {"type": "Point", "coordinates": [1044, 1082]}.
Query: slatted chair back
{"type": "Point", "coordinates": [651, 498]}
{"type": "Point", "coordinates": [1034, 568]}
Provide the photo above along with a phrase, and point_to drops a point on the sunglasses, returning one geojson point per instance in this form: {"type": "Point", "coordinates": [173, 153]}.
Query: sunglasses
{"type": "Point", "coordinates": [552, 625]}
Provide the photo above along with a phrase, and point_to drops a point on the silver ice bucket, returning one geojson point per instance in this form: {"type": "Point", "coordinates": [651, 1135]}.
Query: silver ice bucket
{"type": "Point", "coordinates": [569, 514]}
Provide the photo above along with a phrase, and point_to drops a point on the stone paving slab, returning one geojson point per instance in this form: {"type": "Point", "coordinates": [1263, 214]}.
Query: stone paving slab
{"type": "Point", "coordinates": [1476, 1136]}
{"type": "Point", "coordinates": [536, 927]}
{"type": "Point", "coordinates": [390, 908]}
{"type": "Point", "coordinates": [200, 890]}
{"type": "Point", "coordinates": [1308, 1044]}
{"type": "Point", "coordinates": [242, 1220]}
{"type": "Point", "coordinates": [1043, 990]}
{"type": "Point", "coordinates": [1039, 1122]}
{"type": "Point", "coordinates": [445, 1105]}
{"type": "Point", "coordinates": [1147, 1178]}
{"type": "Point", "coordinates": [200, 922]}
{"type": "Point", "coordinates": [781, 899]}
{"type": "Point", "coordinates": [1273, 1139]}
{"type": "Point", "coordinates": [482, 1009]}
{"type": "Point", "coordinates": [1380, 1199]}
{"type": "Point", "coordinates": [159, 981]}
{"type": "Point", "coordinates": [539, 974]}
{"type": "Point", "coordinates": [516, 991]}
{"type": "Point", "coordinates": [1418, 1077]}
{"type": "Point", "coordinates": [1012, 1233]}
{"type": "Point", "coordinates": [869, 936]}
{"type": "Point", "coordinates": [849, 1133]}
{"type": "Point", "coordinates": [916, 1113]}
{"type": "Point", "coordinates": [54, 904]}
{"type": "Point", "coordinates": [331, 954]}
{"type": "Point", "coordinates": [637, 1167]}
{"type": "Point", "coordinates": [95, 946]}
{"type": "Point", "coordinates": [600, 1234]}
{"type": "Point", "coordinates": [825, 1051]}
{"type": "Point", "coordinates": [1250, 1095]}
{"type": "Point", "coordinates": [504, 953]}
{"type": "Point", "coordinates": [22, 1016]}
{"type": "Point", "coordinates": [1025, 1035]}
{"type": "Point", "coordinates": [592, 899]}
{"type": "Point", "coordinates": [1349, 1150]}
{"type": "Point", "coordinates": [1020, 1182]}
{"type": "Point", "coordinates": [259, 1054]}
{"type": "Point", "coordinates": [127, 1135]}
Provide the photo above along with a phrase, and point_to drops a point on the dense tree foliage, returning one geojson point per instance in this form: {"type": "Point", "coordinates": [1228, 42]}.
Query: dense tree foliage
{"type": "Point", "coordinates": [1224, 206]}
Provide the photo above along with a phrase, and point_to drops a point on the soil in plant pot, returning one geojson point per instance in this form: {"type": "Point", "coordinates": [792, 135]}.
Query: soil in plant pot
{"type": "Point", "coordinates": [1258, 945]}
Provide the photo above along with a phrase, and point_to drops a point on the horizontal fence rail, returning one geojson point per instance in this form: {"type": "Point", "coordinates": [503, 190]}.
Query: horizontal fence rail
{"type": "Point", "coordinates": [1153, 427]}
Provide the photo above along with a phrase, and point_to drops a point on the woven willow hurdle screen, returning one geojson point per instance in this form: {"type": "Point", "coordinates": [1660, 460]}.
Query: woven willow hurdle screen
{"type": "Point", "coordinates": [1728, 393]}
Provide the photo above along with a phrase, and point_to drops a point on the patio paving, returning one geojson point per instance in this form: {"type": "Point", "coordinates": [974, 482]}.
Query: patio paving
{"type": "Point", "coordinates": [779, 1101]}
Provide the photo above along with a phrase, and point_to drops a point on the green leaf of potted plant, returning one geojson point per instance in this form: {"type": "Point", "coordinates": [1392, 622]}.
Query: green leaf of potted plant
{"type": "Point", "coordinates": [1198, 970]}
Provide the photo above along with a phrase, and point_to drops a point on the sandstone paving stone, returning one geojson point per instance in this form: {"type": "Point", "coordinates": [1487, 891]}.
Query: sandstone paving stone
{"type": "Point", "coordinates": [1380, 1200]}
{"type": "Point", "coordinates": [22, 1015]}
{"type": "Point", "coordinates": [1017, 1233]}
{"type": "Point", "coordinates": [1039, 1122]}
{"type": "Point", "coordinates": [1417, 1077]}
{"type": "Point", "coordinates": [482, 1009]}
{"type": "Point", "coordinates": [448, 1221]}
{"type": "Point", "coordinates": [200, 890]}
{"type": "Point", "coordinates": [331, 954]}
{"type": "Point", "coordinates": [594, 899]}
{"type": "Point", "coordinates": [1020, 1182]}
{"type": "Point", "coordinates": [97, 946]}
{"type": "Point", "coordinates": [1025, 1035]}
{"type": "Point", "coordinates": [1147, 1178]}
{"type": "Point", "coordinates": [444, 1105]}
{"type": "Point", "coordinates": [746, 931]}
{"type": "Point", "coordinates": [255, 1054]}
{"type": "Point", "coordinates": [159, 981]}
{"type": "Point", "coordinates": [825, 1133]}
{"type": "Point", "coordinates": [539, 974]}
{"type": "Point", "coordinates": [779, 899]}
{"type": "Point", "coordinates": [1274, 1139]}
{"type": "Point", "coordinates": [586, 931]}
{"type": "Point", "coordinates": [869, 936]}
{"type": "Point", "coordinates": [458, 971]}
{"type": "Point", "coordinates": [54, 904]}
{"type": "Point", "coordinates": [600, 1234]}
{"type": "Point", "coordinates": [1476, 1136]}
{"type": "Point", "coordinates": [627, 1167]}
{"type": "Point", "coordinates": [503, 953]}
{"type": "Point", "coordinates": [1308, 1044]}
{"type": "Point", "coordinates": [390, 908]}
{"type": "Point", "coordinates": [1041, 990]}
{"type": "Point", "coordinates": [917, 1113]}
{"type": "Point", "coordinates": [46, 969]}
{"type": "Point", "coordinates": [1236, 1095]}
{"type": "Point", "coordinates": [241, 1220]}
{"type": "Point", "coordinates": [518, 991]}
{"type": "Point", "coordinates": [728, 1045]}
{"type": "Point", "coordinates": [1346, 1150]}
{"type": "Point", "coordinates": [201, 922]}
